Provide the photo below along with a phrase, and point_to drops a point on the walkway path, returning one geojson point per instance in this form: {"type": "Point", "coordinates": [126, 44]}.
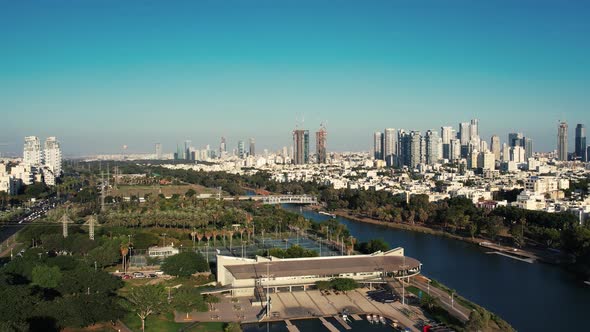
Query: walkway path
{"type": "Point", "coordinates": [453, 307]}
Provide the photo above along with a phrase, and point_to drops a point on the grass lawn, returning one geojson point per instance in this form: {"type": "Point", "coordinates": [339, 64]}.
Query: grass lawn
{"type": "Point", "coordinates": [166, 323]}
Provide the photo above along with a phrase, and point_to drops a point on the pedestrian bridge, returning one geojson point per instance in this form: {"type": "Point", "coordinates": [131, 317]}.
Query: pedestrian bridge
{"type": "Point", "coordinates": [279, 199]}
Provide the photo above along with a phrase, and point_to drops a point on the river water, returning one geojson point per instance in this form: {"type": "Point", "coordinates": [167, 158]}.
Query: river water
{"type": "Point", "coordinates": [531, 297]}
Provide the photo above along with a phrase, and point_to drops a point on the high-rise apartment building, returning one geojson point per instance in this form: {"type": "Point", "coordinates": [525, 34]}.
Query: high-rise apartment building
{"type": "Point", "coordinates": [410, 152]}
{"type": "Point", "coordinates": [53, 155]}
{"type": "Point", "coordinates": [301, 149]}
{"type": "Point", "coordinates": [222, 147]}
{"type": "Point", "coordinates": [455, 149]}
{"type": "Point", "coordinates": [474, 130]}
{"type": "Point", "coordinates": [389, 146]}
{"type": "Point", "coordinates": [32, 151]}
{"type": "Point", "coordinates": [252, 147]}
{"type": "Point", "coordinates": [378, 145]}
{"type": "Point", "coordinates": [581, 148]}
{"type": "Point", "coordinates": [431, 147]}
{"type": "Point", "coordinates": [562, 141]}
{"type": "Point", "coordinates": [464, 133]}
{"type": "Point", "coordinates": [320, 145]}
{"type": "Point", "coordinates": [241, 149]}
{"type": "Point", "coordinates": [495, 146]}
{"type": "Point", "coordinates": [447, 134]}
{"type": "Point", "coordinates": [528, 147]}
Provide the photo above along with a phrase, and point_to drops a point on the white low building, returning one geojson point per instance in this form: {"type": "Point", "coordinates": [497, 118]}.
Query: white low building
{"type": "Point", "coordinates": [245, 276]}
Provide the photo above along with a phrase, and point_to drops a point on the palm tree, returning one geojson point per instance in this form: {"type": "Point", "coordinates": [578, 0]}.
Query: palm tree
{"type": "Point", "coordinates": [199, 236]}
{"type": "Point", "coordinates": [124, 251]}
{"type": "Point", "coordinates": [230, 234]}
{"type": "Point", "coordinates": [214, 232]}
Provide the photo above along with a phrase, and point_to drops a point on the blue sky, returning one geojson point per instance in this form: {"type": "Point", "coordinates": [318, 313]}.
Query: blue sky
{"type": "Point", "coordinates": [101, 74]}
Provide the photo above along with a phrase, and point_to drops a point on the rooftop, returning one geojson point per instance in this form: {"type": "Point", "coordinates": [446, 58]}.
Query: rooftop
{"type": "Point", "coordinates": [323, 266]}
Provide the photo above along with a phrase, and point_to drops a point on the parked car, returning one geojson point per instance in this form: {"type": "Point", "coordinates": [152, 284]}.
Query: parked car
{"type": "Point", "coordinates": [138, 275]}
{"type": "Point", "coordinates": [126, 277]}
{"type": "Point", "coordinates": [152, 275]}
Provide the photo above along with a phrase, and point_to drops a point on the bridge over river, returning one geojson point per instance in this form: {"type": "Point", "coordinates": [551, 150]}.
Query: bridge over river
{"type": "Point", "coordinates": [277, 199]}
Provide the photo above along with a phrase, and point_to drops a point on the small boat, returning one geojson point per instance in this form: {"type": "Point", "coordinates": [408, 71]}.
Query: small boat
{"type": "Point", "coordinates": [382, 320]}
{"type": "Point", "coordinates": [370, 318]}
{"type": "Point", "coordinates": [587, 282]}
{"type": "Point", "coordinates": [327, 214]}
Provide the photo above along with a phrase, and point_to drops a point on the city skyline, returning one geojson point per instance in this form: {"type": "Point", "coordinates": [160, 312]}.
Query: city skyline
{"type": "Point", "coordinates": [163, 74]}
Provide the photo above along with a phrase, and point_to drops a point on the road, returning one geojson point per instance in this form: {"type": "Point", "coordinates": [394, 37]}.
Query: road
{"type": "Point", "coordinates": [37, 211]}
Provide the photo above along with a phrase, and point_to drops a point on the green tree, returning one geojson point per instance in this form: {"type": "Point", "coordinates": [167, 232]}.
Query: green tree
{"type": "Point", "coordinates": [46, 276]}
{"type": "Point", "coordinates": [187, 299]}
{"type": "Point", "coordinates": [147, 300]}
{"type": "Point", "coordinates": [185, 264]}
{"type": "Point", "coordinates": [210, 299]}
{"type": "Point", "coordinates": [323, 284]}
{"type": "Point", "coordinates": [344, 284]}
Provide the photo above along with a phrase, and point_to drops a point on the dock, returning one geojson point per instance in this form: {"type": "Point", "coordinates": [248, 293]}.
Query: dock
{"type": "Point", "coordinates": [343, 322]}
{"type": "Point", "coordinates": [356, 317]}
{"type": "Point", "coordinates": [291, 327]}
{"type": "Point", "coordinates": [328, 325]}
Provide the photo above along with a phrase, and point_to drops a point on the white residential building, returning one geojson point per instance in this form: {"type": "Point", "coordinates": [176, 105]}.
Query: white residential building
{"type": "Point", "coordinates": [32, 151]}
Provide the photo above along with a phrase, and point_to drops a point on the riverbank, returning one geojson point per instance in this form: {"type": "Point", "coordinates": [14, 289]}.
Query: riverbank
{"type": "Point", "coordinates": [529, 253]}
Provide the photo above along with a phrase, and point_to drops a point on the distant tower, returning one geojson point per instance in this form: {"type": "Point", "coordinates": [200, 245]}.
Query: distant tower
{"type": "Point", "coordinates": [389, 145]}
{"type": "Point", "coordinates": [241, 149]}
{"type": "Point", "coordinates": [431, 145]}
{"type": "Point", "coordinates": [378, 145]}
{"type": "Point", "coordinates": [158, 151]}
{"type": "Point", "coordinates": [32, 151]}
{"type": "Point", "coordinates": [465, 133]}
{"type": "Point", "coordinates": [581, 148]}
{"type": "Point", "coordinates": [495, 146]}
{"type": "Point", "coordinates": [562, 141]}
{"type": "Point", "coordinates": [301, 146]}
{"type": "Point", "coordinates": [252, 149]}
{"type": "Point", "coordinates": [320, 144]}
{"type": "Point", "coordinates": [446, 134]}
{"type": "Point", "coordinates": [528, 147]}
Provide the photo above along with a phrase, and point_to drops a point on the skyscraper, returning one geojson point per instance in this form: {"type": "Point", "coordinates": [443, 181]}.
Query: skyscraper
{"type": "Point", "coordinates": [241, 149]}
{"type": "Point", "coordinates": [252, 149]}
{"type": "Point", "coordinates": [464, 133]}
{"type": "Point", "coordinates": [158, 151]}
{"type": "Point", "coordinates": [515, 139]}
{"type": "Point", "coordinates": [416, 155]}
{"type": "Point", "coordinates": [301, 143]}
{"type": "Point", "coordinates": [32, 151]}
{"type": "Point", "coordinates": [528, 147]}
{"type": "Point", "coordinates": [320, 145]}
{"type": "Point", "coordinates": [455, 149]}
{"type": "Point", "coordinates": [495, 146]}
{"type": "Point", "coordinates": [222, 147]}
{"type": "Point", "coordinates": [389, 145]}
{"type": "Point", "coordinates": [562, 141]}
{"type": "Point", "coordinates": [187, 150]}
{"type": "Point", "coordinates": [431, 147]}
{"type": "Point", "coordinates": [581, 148]}
{"type": "Point", "coordinates": [378, 145]}
{"type": "Point", "coordinates": [410, 153]}
{"type": "Point", "coordinates": [474, 129]}
{"type": "Point", "coordinates": [446, 134]}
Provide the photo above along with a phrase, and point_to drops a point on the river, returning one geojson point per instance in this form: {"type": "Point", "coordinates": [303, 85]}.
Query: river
{"type": "Point", "coordinates": [531, 297]}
